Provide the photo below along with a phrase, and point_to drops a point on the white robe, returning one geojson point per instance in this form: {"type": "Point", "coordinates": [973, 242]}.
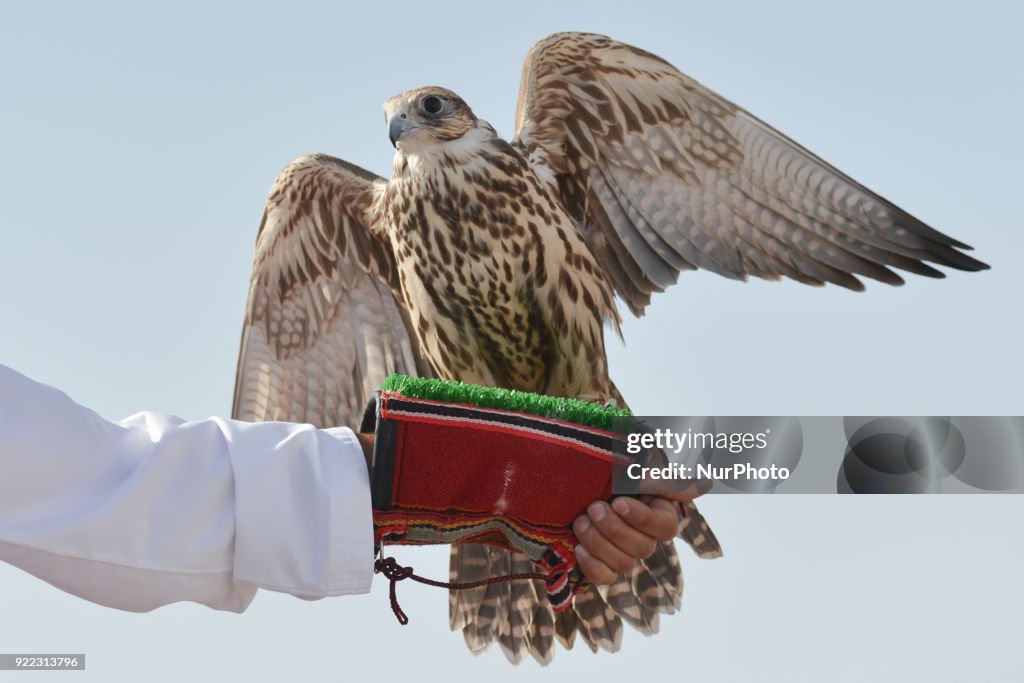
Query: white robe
{"type": "Point", "coordinates": [153, 510]}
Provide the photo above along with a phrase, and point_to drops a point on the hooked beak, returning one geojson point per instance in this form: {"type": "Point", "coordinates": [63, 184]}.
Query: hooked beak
{"type": "Point", "coordinates": [397, 127]}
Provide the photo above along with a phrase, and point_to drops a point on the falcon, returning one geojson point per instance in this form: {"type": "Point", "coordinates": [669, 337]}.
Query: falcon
{"type": "Point", "coordinates": [497, 262]}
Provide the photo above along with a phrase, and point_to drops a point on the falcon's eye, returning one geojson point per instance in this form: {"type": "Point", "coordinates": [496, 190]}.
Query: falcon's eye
{"type": "Point", "coordinates": [432, 104]}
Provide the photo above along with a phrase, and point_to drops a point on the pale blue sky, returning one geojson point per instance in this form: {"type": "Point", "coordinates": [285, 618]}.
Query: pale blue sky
{"type": "Point", "coordinates": [138, 144]}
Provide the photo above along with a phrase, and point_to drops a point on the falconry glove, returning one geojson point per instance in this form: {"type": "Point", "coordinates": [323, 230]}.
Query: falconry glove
{"type": "Point", "coordinates": [448, 471]}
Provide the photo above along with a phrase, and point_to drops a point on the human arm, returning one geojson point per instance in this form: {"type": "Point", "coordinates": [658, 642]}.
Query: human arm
{"type": "Point", "coordinates": [154, 510]}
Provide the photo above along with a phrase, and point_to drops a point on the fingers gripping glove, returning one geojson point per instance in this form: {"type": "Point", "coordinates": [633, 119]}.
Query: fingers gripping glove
{"type": "Point", "coordinates": [456, 463]}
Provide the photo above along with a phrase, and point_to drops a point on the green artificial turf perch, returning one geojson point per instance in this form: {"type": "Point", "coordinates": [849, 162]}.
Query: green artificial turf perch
{"type": "Point", "coordinates": [566, 409]}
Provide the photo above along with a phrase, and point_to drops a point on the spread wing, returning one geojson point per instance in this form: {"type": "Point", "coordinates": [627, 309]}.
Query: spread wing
{"type": "Point", "coordinates": [323, 327]}
{"type": "Point", "coordinates": [664, 175]}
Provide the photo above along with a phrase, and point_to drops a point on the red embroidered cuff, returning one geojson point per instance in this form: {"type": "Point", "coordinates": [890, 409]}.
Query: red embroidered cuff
{"type": "Point", "coordinates": [451, 473]}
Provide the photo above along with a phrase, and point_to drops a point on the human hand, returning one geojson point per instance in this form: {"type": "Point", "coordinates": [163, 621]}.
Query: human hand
{"type": "Point", "coordinates": [613, 537]}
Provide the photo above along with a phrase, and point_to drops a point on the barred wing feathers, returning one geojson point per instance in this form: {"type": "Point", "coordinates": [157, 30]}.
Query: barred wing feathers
{"type": "Point", "coordinates": [323, 327]}
{"type": "Point", "coordinates": [664, 175]}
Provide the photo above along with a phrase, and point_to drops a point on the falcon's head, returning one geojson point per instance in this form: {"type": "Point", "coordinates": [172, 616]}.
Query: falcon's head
{"type": "Point", "coordinates": [420, 117]}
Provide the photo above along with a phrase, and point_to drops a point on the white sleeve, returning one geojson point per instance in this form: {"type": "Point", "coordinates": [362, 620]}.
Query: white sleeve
{"type": "Point", "coordinates": [154, 510]}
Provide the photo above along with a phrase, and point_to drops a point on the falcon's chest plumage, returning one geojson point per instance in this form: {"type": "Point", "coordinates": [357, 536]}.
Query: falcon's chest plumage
{"type": "Point", "coordinates": [493, 270]}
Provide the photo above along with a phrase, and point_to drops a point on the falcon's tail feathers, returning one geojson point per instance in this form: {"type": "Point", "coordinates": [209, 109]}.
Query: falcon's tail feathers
{"type": "Point", "coordinates": [518, 617]}
{"type": "Point", "coordinates": [697, 533]}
